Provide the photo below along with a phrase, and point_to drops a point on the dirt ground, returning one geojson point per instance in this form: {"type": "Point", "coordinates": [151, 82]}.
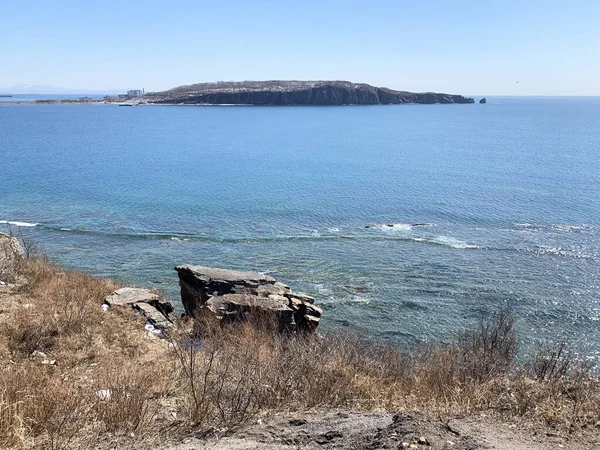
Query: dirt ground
{"type": "Point", "coordinates": [370, 431]}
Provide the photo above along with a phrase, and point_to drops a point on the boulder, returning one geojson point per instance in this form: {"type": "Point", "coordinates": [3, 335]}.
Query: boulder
{"type": "Point", "coordinates": [10, 253]}
{"type": "Point", "coordinates": [233, 296]}
{"type": "Point", "coordinates": [10, 246]}
{"type": "Point", "coordinates": [146, 302]}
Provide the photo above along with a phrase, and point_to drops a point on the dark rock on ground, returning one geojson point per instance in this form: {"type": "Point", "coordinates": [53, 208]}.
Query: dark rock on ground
{"type": "Point", "coordinates": [279, 92]}
{"type": "Point", "coordinates": [232, 296]}
{"type": "Point", "coordinates": [352, 430]}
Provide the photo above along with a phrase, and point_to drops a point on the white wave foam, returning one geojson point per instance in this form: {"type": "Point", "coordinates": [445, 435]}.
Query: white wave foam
{"type": "Point", "coordinates": [557, 251]}
{"type": "Point", "coordinates": [553, 227]}
{"type": "Point", "coordinates": [333, 230]}
{"type": "Point", "coordinates": [569, 228]}
{"type": "Point", "coordinates": [19, 224]}
{"type": "Point", "coordinates": [453, 242]}
{"type": "Point", "coordinates": [345, 301]}
{"type": "Point", "coordinates": [394, 226]}
{"type": "Point", "coordinates": [448, 241]}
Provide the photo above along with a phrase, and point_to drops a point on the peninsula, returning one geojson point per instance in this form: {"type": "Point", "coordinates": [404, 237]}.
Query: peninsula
{"type": "Point", "coordinates": [281, 93]}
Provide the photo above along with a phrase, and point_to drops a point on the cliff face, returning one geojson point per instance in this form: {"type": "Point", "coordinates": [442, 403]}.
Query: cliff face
{"type": "Point", "coordinates": [295, 93]}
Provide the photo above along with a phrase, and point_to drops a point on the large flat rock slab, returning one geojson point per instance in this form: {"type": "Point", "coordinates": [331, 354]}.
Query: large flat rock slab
{"type": "Point", "coordinates": [129, 295]}
{"type": "Point", "coordinates": [215, 275]}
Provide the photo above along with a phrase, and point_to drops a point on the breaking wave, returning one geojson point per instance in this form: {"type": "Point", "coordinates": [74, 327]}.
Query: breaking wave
{"type": "Point", "coordinates": [398, 226]}
{"type": "Point", "coordinates": [17, 223]}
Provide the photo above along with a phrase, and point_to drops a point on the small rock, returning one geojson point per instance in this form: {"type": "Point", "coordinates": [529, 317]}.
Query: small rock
{"type": "Point", "coordinates": [152, 330]}
{"type": "Point", "coordinates": [42, 358]}
{"type": "Point", "coordinates": [298, 422]}
{"type": "Point", "coordinates": [104, 394]}
{"type": "Point", "coordinates": [328, 437]}
{"type": "Point", "coordinates": [422, 441]}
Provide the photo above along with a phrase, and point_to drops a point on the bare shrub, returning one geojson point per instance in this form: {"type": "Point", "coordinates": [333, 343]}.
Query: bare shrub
{"type": "Point", "coordinates": [221, 376]}
{"type": "Point", "coordinates": [31, 250]}
{"type": "Point", "coordinates": [552, 364]}
{"type": "Point", "coordinates": [490, 349]}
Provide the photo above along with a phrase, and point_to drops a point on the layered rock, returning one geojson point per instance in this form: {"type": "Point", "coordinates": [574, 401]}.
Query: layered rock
{"type": "Point", "coordinates": [295, 93]}
{"type": "Point", "coordinates": [234, 296]}
{"type": "Point", "coordinates": [144, 301]}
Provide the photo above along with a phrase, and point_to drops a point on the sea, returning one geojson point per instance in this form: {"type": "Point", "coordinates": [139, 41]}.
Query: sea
{"type": "Point", "coordinates": [407, 223]}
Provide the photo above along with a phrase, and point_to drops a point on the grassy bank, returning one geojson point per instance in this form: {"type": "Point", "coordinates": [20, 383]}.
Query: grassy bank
{"type": "Point", "coordinates": [74, 374]}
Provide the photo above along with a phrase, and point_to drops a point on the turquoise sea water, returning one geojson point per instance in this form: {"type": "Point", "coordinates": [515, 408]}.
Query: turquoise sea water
{"type": "Point", "coordinates": [506, 195]}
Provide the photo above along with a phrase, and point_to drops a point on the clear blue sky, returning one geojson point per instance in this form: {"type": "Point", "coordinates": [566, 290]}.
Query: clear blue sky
{"type": "Point", "coordinates": [478, 47]}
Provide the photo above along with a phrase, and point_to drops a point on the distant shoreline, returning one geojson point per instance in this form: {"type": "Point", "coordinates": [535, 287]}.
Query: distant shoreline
{"type": "Point", "coordinates": [104, 103]}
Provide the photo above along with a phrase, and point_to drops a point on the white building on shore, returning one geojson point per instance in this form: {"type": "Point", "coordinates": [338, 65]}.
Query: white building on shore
{"type": "Point", "coordinates": [135, 93]}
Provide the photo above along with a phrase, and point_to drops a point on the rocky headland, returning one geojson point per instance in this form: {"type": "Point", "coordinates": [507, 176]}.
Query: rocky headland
{"type": "Point", "coordinates": [289, 93]}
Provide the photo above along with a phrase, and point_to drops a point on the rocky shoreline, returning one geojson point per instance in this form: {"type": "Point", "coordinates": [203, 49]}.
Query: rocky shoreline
{"type": "Point", "coordinates": [229, 296]}
{"type": "Point", "coordinates": [114, 368]}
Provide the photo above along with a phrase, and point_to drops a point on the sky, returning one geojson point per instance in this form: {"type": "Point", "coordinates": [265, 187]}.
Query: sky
{"type": "Point", "coordinates": [483, 47]}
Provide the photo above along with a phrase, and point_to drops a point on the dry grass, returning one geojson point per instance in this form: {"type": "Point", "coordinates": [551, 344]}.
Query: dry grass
{"type": "Point", "coordinates": [61, 353]}
{"type": "Point", "coordinates": [234, 374]}
{"type": "Point", "coordinates": [109, 377]}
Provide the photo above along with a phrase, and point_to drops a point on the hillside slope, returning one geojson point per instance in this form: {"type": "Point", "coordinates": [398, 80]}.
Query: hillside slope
{"type": "Point", "coordinates": [295, 93]}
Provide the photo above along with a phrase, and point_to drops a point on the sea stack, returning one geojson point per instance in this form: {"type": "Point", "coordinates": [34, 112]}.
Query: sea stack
{"type": "Point", "coordinates": [483, 100]}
